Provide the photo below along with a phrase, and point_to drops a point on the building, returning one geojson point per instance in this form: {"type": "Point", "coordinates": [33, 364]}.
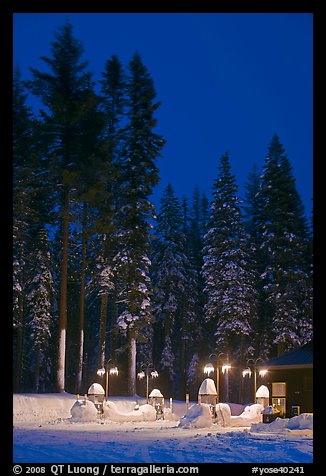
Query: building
{"type": "Point", "coordinates": [290, 380]}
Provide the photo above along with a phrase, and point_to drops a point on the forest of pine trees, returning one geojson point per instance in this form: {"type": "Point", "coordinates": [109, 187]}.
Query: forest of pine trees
{"type": "Point", "coordinates": [99, 274]}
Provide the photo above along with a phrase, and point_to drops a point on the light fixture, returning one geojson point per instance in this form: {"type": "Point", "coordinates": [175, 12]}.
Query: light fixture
{"type": "Point", "coordinates": [114, 371]}
{"type": "Point", "coordinates": [262, 372]}
{"type": "Point", "coordinates": [225, 368]}
{"type": "Point", "coordinates": [208, 369]}
{"type": "Point", "coordinates": [141, 374]}
{"type": "Point", "coordinates": [101, 372]}
{"type": "Point", "coordinates": [154, 374]}
{"type": "Point", "coordinates": [246, 372]}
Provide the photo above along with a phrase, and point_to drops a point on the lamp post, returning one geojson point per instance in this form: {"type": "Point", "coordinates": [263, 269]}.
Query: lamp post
{"type": "Point", "coordinates": [107, 371]}
{"type": "Point", "coordinates": [247, 372]}
{"type": "Point", "coordinates": [149, 371]}
{"type": "Point", "coordinates": [225, 369]}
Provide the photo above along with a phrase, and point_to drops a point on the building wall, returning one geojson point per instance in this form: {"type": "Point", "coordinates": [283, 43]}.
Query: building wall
{"type": "Point", "coordinates": [299, 388]}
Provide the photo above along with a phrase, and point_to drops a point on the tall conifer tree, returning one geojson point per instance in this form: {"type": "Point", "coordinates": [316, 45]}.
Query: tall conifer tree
{"type": "Point", "coordinates": [231, 306]}
{"type": "Point", "coordinates": [284, 247]}
{"type": "Point", "coordinates": [174, 291]}
{"type": "Point", "coordinates": [139, 175]}
{"type": "Point", "coordinates": [65, 90]}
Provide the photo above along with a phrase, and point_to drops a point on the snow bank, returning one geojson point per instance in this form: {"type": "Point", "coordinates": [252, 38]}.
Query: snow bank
{"type": "Point", "coordinates": [144, 413]}
{"type": "Point", "coordinates": [83, 411]}
{"type": "Point", "coordinates": [41, 407]}
{"type": "Point", "coordinates": [301, 422]}
{"type": "Point", "coordinates": [198, 416]}
{"type": "Point", "coordinates": [251, 414]}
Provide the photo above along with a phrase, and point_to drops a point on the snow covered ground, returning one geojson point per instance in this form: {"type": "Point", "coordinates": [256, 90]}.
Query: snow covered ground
{"type": "Point", "coordinates": [44, 432]}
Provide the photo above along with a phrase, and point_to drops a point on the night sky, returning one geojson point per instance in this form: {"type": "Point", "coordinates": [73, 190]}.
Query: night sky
{"type": "Point", "coordinates": [226, 81]}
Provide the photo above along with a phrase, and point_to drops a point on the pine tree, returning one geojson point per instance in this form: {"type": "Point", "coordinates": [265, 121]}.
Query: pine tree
{"type": "Point", "coordinates": [139, 175]}
{"type": "Point", "coordinates": [66, 93]}
{"type": "Point", "coordinates": [113, 101]}
{"type": "Point", "coordinates": [25, 168]}
{"type": "Point", "coordinates": [40, 300]}
{"type": "Point", "coordinates": [194, 377]}
{"type": "Point", "coordinates": [231, 306]}
{"type": "Point", "coordinates": [174, 292]}
{"type": "Point", "coordinates": [286, 282]}
{"type": "Point", "coordinates": [253, 225]}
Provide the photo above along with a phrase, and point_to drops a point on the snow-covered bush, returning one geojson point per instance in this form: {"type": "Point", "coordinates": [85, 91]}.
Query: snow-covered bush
{"type": "Point", "coordinates": [251, 414]}
{"type": "Point", "coordinates": [83, 411]}
{"type": "Point", "coordinates": [223, 414]}
{"type": "Point", "coordinates": [198, 416]}
{"type": "Point", "coordinates": [144, 413]}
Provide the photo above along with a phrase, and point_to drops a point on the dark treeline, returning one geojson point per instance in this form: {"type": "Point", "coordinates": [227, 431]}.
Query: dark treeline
{"type": "Point", "coordinates": [98, 277]}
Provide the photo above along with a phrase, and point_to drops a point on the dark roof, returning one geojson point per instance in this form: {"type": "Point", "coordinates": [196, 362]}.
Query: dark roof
{"type": "Point", "coordinates": [296, 359]}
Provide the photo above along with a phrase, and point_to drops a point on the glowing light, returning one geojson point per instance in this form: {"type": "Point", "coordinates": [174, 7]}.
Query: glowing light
{"type": "Point", "coordinates": [101, 372]}
{"type": "Point", "coordinates": [114, 371]}
{"type": "Point", "coordinates": [246, 372]}
{"type": "Point", "coordinates": [154, 374]}
{"type": "Point", "coordinates": [225, 368]}
{"type": "Point", "coordinates": [208, 369]}
{"type": "Point", "coordinates": [262, 372]}
{"type": "Point", "coordinates": [141, 374]}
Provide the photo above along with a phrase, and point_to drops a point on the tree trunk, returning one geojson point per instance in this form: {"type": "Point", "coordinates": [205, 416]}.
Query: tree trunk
{"type": "Point", "coordinates": [37, 367]}
{"type": "Point", "coordinates": [132, 352]}
{"type": "Point", "coordinates": [20, 328]}
{"type": "Point", "coordinates": [63, 295]}
{"type": "Point", "coordinates": [103, 319]}
{"type": "Point", "coordinates": [242, 366]}
{"type": "Point", "coordinates": [82, 301]}
{"type": "Point", "coordinates": [20, 342]}
{"type": "Point", "coordinates": [113, 329]}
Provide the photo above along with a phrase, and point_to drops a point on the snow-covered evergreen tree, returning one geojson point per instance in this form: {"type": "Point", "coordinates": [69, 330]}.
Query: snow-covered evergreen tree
{"type": "Point", "coordinates": [66, 91]}
{"type": "Point", "coordinates": [139, 174]}
{"type": "Point", "coordinates": [25, 168]}
{"type": "Point", "coordinates": [194, 376]}
{"type": "Point", "coordinates": [175, 291]}
{"type": "Point", "coordinates": [252, 221]}
{"type": "Point", "coordinates": [286, 280]}
{"type": "Point", "coordinates": [231, 306]}
{"type": "Point", "coordinates": [40, 300]}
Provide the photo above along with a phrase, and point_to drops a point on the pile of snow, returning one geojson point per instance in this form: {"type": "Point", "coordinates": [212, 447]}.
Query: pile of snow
{"type": "Point", "coordinates": [169, 415]}
{"type": "Point", "coordinates": [198, 416]}
{"type": "Point", "coordinates": [251, 414]}
{"type": "Point", "coordinates": [83, 410]}
{"type": "Point", "coordinates": [300, 422]}
{"type": "Point", "coordinates": [127, 404]}
{"type": "Point", "coordinates": [41, 407]}
{"type": "Point", "coordinates": [144, 413]}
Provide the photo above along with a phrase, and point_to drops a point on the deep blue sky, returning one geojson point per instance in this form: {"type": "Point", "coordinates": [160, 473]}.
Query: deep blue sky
{"type": "Point", "coordinates": [227, 81]}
